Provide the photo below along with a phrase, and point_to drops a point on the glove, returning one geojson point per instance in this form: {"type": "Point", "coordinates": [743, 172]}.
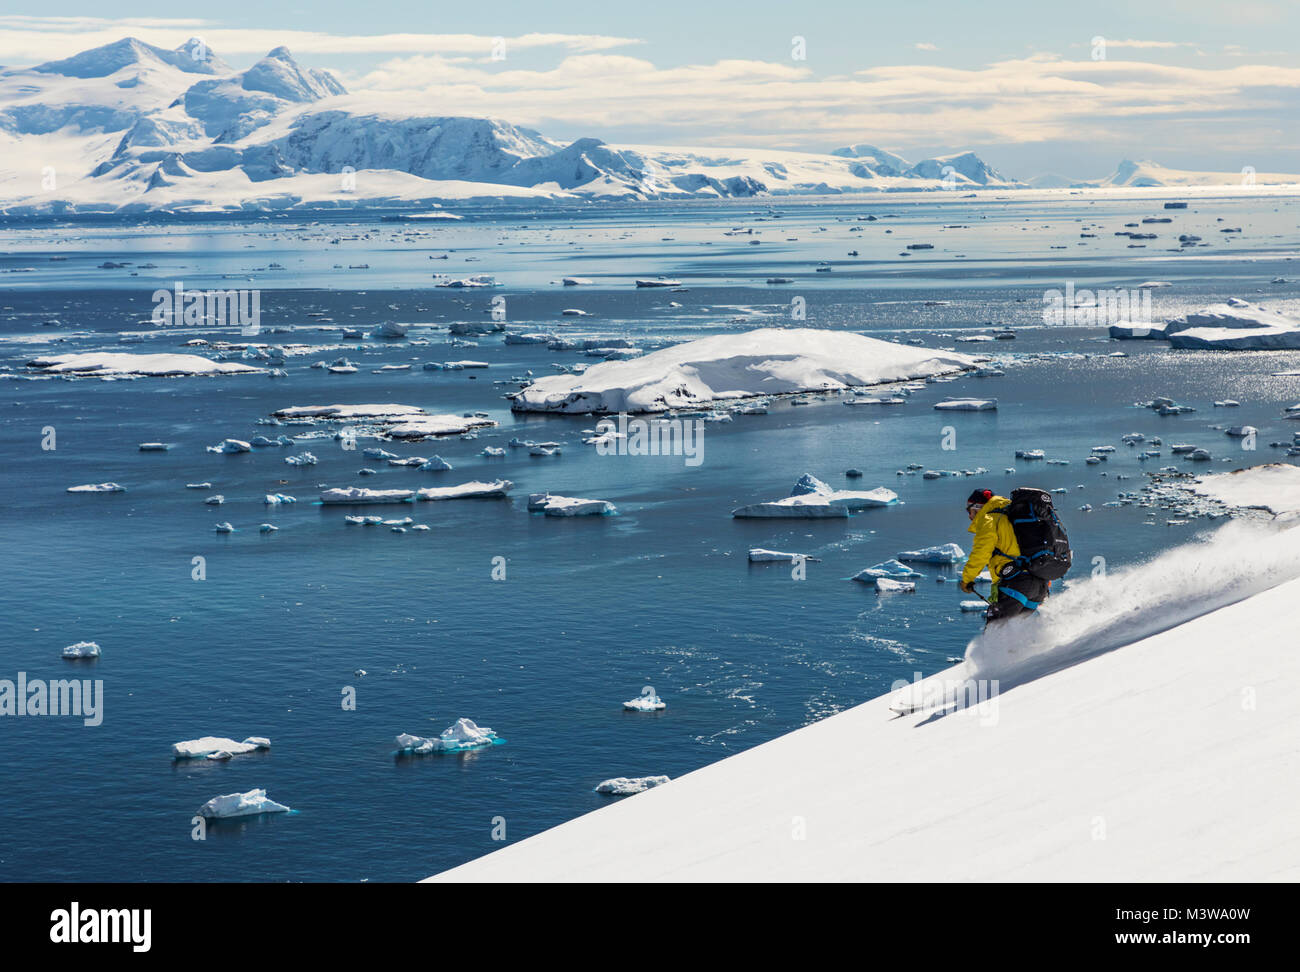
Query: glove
{"type": "Point", "coordinates": [966, 587]}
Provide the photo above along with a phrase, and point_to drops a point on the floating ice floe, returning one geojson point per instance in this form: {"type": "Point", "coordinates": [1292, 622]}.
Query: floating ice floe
{"type": "Point", "coordinates": [99, 364]}
{"type": "Point", "coordinates": [759, 555]}
{"type": "Point", "coordinates": [397, 421]}
{"type": "Point", "coordinates": [874, 401]}
{"type": "Point", "coordinates": [944, 553]}
{"type": "Point", "coordinates": [1235, 325]}
{"type": "Point", "coordinates": [460, 736]}
{"type": "Point", "coordinates": [275, 499]}
{"type": "Point", "coordinates": [968, 405]}
{"type": "Point", "coordinates": [154, 446]}
{"type": "Point", "coordinates": [1125, 330]}
{"type": "Point", "coordinates": [231, 447]}
{"type": "Point", "coordinates": [97, 488]}
{"type": "Point", "coordinates": [472, 490]}
{"type": "Point", "coordinates": [554, 505]}
{"type": "Point", "coordinates": [471, 282]}
{"type": "Point", "coordinates": [627, 786]}
{"type": "Point", "coordinates": [268, 528]}
{"type": "Point", "coordinates": [812, 498]}
{"type": "Point", "coordinates": [215, 500]}
{"type": "Point", "coordinates": [82, 649]}
{"type": "Point", "coordinates": [972, 606]}
{"type": "Point", "coordinates": [224, 528]}
{"type": "Point", "coordinates": [436, 464]}
{"type": "Point", "coordinates": [492, 451]}
{"type": "Point", "coordinates": [894, 569]}
{"type": "Point", "coordinates": [731, 366]}
{"type": "Point", "coordinates": [357, 495]}
{"type": "Point", "coordinates": [241, 805]}
{"type": "Point", "coordinates": [645, 703]}
{"type": "Point", "coordinates": [360, 495]}
{"type": "Point", "coordinates": [306, 459]}
{"type": "Point", "coordinates": [889, 585]}
{"type": "Point", "coordinates": [198, 485]}
{"type": "Point", "coordinates": [211, 747]}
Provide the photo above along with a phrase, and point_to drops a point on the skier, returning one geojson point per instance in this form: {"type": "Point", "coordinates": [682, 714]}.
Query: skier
{"type": "Point", "coordinates": [1022, 579]}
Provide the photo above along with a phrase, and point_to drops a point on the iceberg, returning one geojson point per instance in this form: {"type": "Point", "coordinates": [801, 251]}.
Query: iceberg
{"type": "Point", "coordinates": [968, 405]}
{"type": "Point", "coordinates": [430, 426]}
{"type": "Point", "coordinates": [306, 459]}
{"type": "Point", "coordinates": [645, 703]}
{"type": "Point", "coordinates": [357, 495]}
{"type": "Point", "coordinates": [397, 421]}
{"type": "Point", "coordinates": [760, 555]}
{"type": "Point", "coordinates": [894, 569]}
{"type": "Point", "coordinates": [764, 362]}
{"type": "Point", "coordinates": [98, 364]}
{"type": "Point", "coordinates": [231, 447]}
{"type": "Point", "coordinates": [626, 786]}
{"type": "Point", "coordinates": [97, 488]}
{"type": "Point", "coordinates": [946, 553]}
{"type": "Point", "coordinates": [82, 649]}
{"type": "Point", "coordinates": [889, 585]}
{"type": "Point", "coordinates": [1125, 330]}
{"type": "Point", "coordinates": [972, 606]}
{"type": "Point", "coordinates": [436, 464]}
{"type": "Point", "coordinates": [154, 446]}
{"type": "Point", "coordinates": [813, 499]}
{"type": "Point", "coordinates": [215, 500]}
{"type": "Point", "coordinates": [241, 805]}
{"type": "Point", "coordinates": [1236, 325]}
{"type": "Point", "coordinates": [208, 746]}
{"type": "Point", "coordinates": [458, 737]}
{"type": "Point", "coordinates": [471, 490]}
{"type": "Point", "coordinates": [224, 528]}
{"type": "Point", "coordinates": [554, 505]}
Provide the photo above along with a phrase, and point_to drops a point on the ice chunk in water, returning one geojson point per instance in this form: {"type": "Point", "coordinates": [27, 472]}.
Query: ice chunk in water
{"type": "Point", "coordinates": [945, 553]}
{"type": "Point", "coordinates": [206, 746]}
{"type": "Point", "coordinates": [241, 805]}
{"type": "Point", "coordinates": [626, 786]}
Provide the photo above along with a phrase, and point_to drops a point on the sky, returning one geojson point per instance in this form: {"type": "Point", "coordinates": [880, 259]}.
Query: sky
{"type": "Point", "coordinates": [1034, 88]}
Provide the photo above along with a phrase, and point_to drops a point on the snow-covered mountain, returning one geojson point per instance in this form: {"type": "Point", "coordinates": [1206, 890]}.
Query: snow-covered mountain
{"type": "Point", "coordinates": [963, 168]}
{"type": "Point", "coordinates": [1146, 174]}
{"type": "Point", "coordinates": [133, 127]}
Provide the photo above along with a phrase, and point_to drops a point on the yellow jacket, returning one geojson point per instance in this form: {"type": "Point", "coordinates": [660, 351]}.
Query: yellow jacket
{"type": "Point", "coordinates": [992, 532]}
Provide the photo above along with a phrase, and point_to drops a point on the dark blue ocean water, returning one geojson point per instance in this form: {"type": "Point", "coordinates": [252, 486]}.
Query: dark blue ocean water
{"type": "Point", "coordinates": [591, 609]}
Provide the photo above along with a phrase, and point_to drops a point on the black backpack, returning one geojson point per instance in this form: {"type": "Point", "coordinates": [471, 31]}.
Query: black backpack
{"type": "Point", "coordinates": [1044, 547]}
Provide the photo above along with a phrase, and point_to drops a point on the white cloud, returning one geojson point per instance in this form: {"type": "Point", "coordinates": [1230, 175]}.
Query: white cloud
{"type": "Point", "coordinates": [746, 102]}
{"type": "Point", "coordinates": [28, 40]}
{"type": "Point", "coordinates": [925, 46]}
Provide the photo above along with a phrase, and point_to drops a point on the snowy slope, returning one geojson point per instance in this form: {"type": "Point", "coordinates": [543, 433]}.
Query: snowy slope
{"type": "Point", "coordinates": [1172, 758]}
